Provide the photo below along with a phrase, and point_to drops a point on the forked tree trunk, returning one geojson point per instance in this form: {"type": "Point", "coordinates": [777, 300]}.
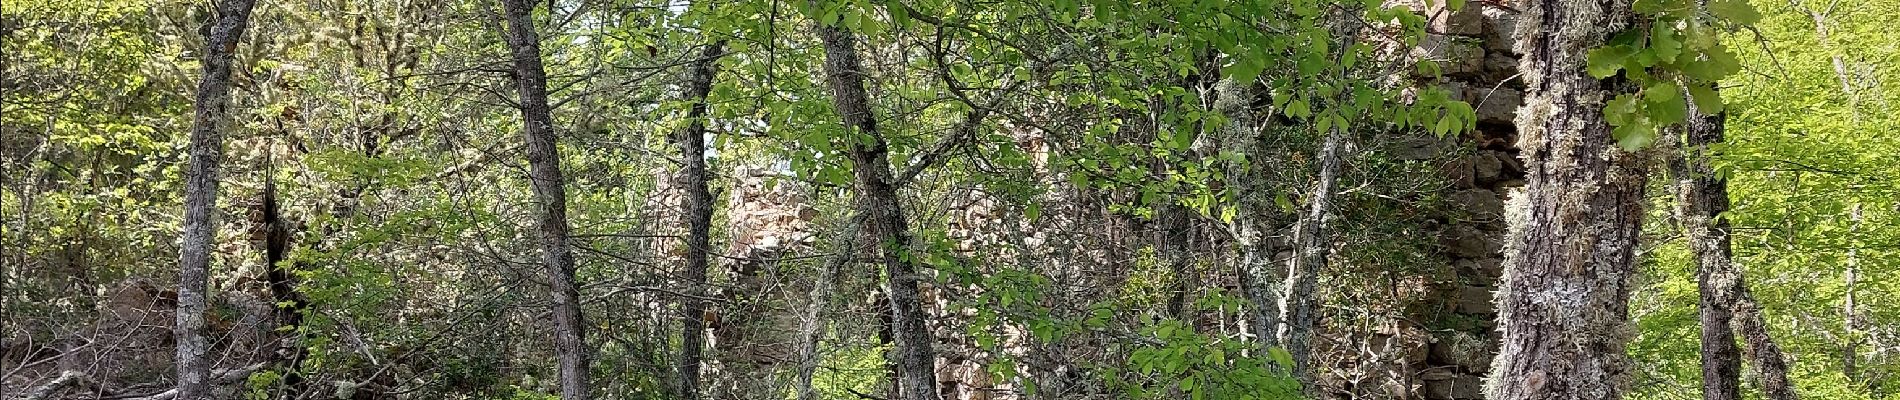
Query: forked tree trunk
{"type": "Point", "coordinates": [1727, 307]}
{"type": "Point", "coordinates": [884, 215]}
{"type": "Point", "coordinates": [1253, 224]}
{"type": "Point", "coordinates": [1300, 301]}
{"type": "Point", "coordinates": [699, 203]}
{"type": "Point", "coordinates": [201, 195]}
{"type": "Point", "coordinates": [811, 325]}
{"type": "Point", "coordinates": [1564, 303]}
{"type": "Point", "coordinates": [544, 169]}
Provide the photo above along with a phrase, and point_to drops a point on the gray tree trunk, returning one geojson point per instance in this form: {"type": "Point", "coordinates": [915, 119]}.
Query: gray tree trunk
{"type": "Point", "coordinates": [1699, 196]}
{"type": "Point", "coordinates": [884, 215]}
{"type": "Point", "coordinates": [811, 324]}
{"type": "Point", "coordinates": [1299, 303]}
{"type": "Point", "coordinates": [1727, 307]}
{"type": "Point", "coordinates": [1253, 225]}
{"type": "Point", "coordinates": [699, 210]}
{"type": "Point", "coordinates": [201, 196]}
{"type": "Point", "coordinates": [544, 169]}
{"type": "Point", "coordinates": [1563, 307]}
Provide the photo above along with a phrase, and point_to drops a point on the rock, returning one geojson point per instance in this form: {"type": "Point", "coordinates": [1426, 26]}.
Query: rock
{"type": "Point", "coordinates": [1467, 21]}
{"type": "Point", "coordinates": [1455, 55]}
{"type": "Point", "coordinates": [1480, 204]}
{"type": "Point", "coordinates": [1501, 67]}
{"type": "Point", "coordinates": [1486, 167]}
{"type": "Point", "coordinates": [1475, 300]}
{"type": "Point", "coordinates": [1512, 167]}
{"type": "Point", "coordinates": [1459, 173]}
{"type": "Point", "coordinates": [1410, 345]}
{"type": "Point", "coordinates": [1495, 104]}
{"type": "Point", "coordinates": [1469, 387]}
{"type": "Point", "coordinates": [1470, 267]}
{"type": "Point", "coordinates": [1460, 387]}
{"type": "Point", "coordinates": [1468, 242]}
{"type": "Point", "coordinates": [1489, 268]}
{"type": "Point", "coordinates": [1416, 148]}
{"type": "Point", "coordinates": [1500, 28]}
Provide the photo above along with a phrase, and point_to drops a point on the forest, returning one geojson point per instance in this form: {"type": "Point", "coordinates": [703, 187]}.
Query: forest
{"type": "Point", "coordinates": [949, 199]}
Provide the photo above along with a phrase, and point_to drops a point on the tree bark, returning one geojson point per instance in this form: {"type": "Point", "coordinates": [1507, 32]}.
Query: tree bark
{"type": "Point", "coordinates": [884, 214]}
{"type": "Point", "coordinates": [1850, 348]}
{"type": "Point", "coordinates": [1727, 307]}
{"type": "Point", "coordinates": [1253, 225]}
{"type": "Point", "coordinates": [1563, 306]}
{"type": "Point", "coordinates": [811, 324]}
{"type": "Point", "coordinates": [1699, 198]}
{"type": "Point", "coordinates": [544, 164]}
{"type": "Point", "coordinates": [1299, 303]}
{"type": "Point", "coordinates": [201, 196]}
{"type": "Point", "coordinates": [699, 210]}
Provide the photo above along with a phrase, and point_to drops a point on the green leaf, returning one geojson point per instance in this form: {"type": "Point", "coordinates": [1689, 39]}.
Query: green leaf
{"type": "Point", "coordinates": [1280, 356]}
{"type": "Point", "coordinates": [1707, 101]}
{"type": "Point", "coordinates": [1660, 93]}
{"type": "Point", "coordinates": [1737, 11]}
{"type": "Point", "coordinates": [1698, 36]}
{"type": "Point", "coordinates": [900, 16]}
{"type": "Point", "coordinates": [1604, 62]}
{"type": "Point", "coordinates": [1663, 38]}
{"type": "Point", "coordinates": [1634, 136]}
{"type": "Point", "coordinates": [1298, 109]}
{"type": "Point", "coordinates": [1621, 110]}
{"type": "Point", "coordinates": [1665, 105]}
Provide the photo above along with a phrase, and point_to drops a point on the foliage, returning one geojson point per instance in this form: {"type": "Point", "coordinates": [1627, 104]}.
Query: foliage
{"type": "Point", "coordinates": [1674, 56]}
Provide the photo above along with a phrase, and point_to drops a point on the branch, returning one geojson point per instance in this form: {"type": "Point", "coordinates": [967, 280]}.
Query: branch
{"type": "Point", "coordinates": [863, 395]}
{"type": "Point", "coordinates": [67, 378]}
{"type": "Point", "coordinates": [958, 136]}
{"type": "Point", "coordinates": [225, 377]}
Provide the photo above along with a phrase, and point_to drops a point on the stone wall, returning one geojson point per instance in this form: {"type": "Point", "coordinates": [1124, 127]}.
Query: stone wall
{"type": "Point", "coordinates": [1473, 47]}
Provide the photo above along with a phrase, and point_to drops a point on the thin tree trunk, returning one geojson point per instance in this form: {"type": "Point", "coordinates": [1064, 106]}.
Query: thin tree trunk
{"type": "Point", "coordinates": [1762, 350]}
{"type": "Point", "coordinates": [544, 164]}
{"type": "Point", "coordinates": [1821, 35]}
{"type": "Point", "coordinates": [884, 214]}
{"type": "Point", "coordinates": [811, 324]}
{"type": "Point", "coordinates": [201, 195]}
{"type": "Point", "coordinates": [1299, 303]}
{"type": "Point", "coordinates": [1253, 224]}
{"type": "Point", "coordinates": [1564, 304]}
{"type": "Point", "coordinates": [1850, 351]}
{"type": "Point", "coordinates": [1699, 197]}
{"type": "Point", "coordinates": [1727, 307]}
{"type": "Point", "coordinates": [699, 202]}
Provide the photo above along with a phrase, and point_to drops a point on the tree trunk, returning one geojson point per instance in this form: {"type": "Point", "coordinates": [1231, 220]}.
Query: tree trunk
{"type": "Point", "coordinates": [1727, 307]}
{"type": "Point", "coordinates": [1563, 306]}
{"type": "Point", "coordinates": [1253, 224]}
{"type": "Point", "coordinates": [201, 195]}
{"type": "Point", "coordinates": [544, 164]}
{"type": "Point", "coordinates": [1299, 303]}
{"type": "Point", "coordinates": [699, 203]}
{"type": "Point", "coordinates": [811, 325]}
{"type": "Point", "coordinates": [884, 215]}
{"type": "Point", "coordinates": [1699, 197]}
{"type": "Point", "coordinates": [1850, 349]}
